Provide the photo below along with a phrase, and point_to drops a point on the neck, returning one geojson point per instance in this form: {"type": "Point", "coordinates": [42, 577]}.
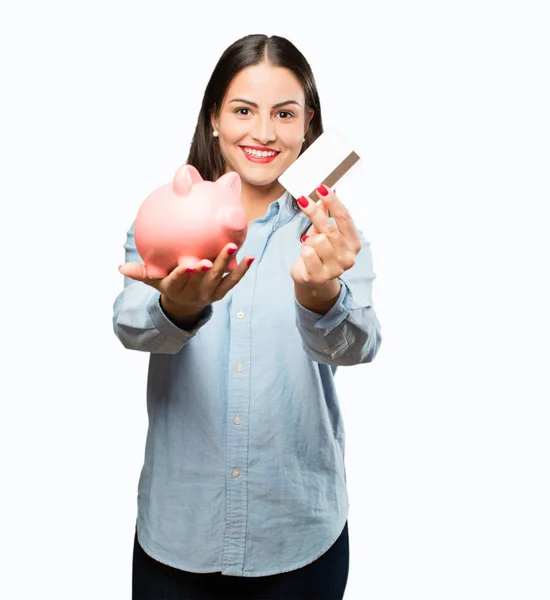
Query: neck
{"type": "Point", "coordinates": [256, 199]}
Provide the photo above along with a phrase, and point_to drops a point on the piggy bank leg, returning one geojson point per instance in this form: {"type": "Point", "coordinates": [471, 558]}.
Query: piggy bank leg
{"type": "Point", "coordinates": [232, 264]}
{"type": "Point", "coordinates": [155, 272]}
{"type": "Point", "coordinates": [189, 262]}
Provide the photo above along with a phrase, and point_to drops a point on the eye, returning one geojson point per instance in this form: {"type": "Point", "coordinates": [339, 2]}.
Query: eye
{"type": "Point", "coordinates": [287, 113]}
{"type": "Point", "coordinates": [243, 111]}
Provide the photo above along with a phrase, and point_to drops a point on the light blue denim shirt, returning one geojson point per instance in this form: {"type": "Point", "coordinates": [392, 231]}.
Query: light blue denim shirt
{"type": "Point", "coordinates": [244, 458]}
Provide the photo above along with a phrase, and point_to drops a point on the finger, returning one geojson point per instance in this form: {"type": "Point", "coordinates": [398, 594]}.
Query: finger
{"type": "Point", "coordinates": [309, 233]}
{"type": "Point", "coordinates": [138, 272]}
{"type": "Point", "coordinates": [212, 278]}
{"type": "Point", "coordinates": [335, 260]}
{"type": "Point", "coordinates": [312, 229]}
{"type": "Point", "coordinates": [203, 266]}
{"type": "Point", "coordinates": [177, 279]}
{"type": "Point", "coordinates": [134, 270]}
{"type": "Point", "coordinates": [221, 263]}
{"type": "Point", "coordinates": [193, 277]}
{"type": "Point", "coordinates": [318, 217]}
{"type": "Point", "coordinates": [185, 277]}
{"type": "Point", "coordinates": [188, 275]}
{"type": "Point", "coordinates": [314, 267]}
{"type": "Point", "coordinates": [323, 248]}
{"type": "Point", "coordinates": [233, 277]}
{"type": "Point", "coordinates": [339, 212]}
{"type": "Point", "coordinates": [322, 206]}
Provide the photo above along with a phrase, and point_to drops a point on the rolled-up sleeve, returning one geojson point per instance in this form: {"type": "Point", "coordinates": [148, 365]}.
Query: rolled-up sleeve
{"type": "Point", "coordinates": [349, 333]}
{"type": "Point", "coordinates": [138, 319]}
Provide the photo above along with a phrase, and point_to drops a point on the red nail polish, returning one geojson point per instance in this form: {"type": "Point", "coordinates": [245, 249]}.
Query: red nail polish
{"type": "Point", "coordinates": [303, 201]}
{"type": "Point", "coordinates": [323, 190]}
{"type": "Point", "coordinates": [231, 251]}
{"type": "Point", "coordinates": [189, 270]}
{"type": "Point", "coordinates": [249, 261]}
{"type": "Point", "coordinates": [205, 268]}
{"type": "Point", "coordinates": [305, 238]}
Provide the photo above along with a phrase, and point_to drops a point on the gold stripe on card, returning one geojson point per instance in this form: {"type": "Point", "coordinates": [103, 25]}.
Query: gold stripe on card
{"type": "Point", "coordinates": [337, 174]}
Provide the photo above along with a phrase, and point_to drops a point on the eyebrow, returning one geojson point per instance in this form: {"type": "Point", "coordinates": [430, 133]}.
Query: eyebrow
{"type": "Point", "coordinates": [278, 105]}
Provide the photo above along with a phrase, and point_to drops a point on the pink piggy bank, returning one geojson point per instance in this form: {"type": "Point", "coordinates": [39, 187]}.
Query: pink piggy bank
{"type": "Point", "coordinates": [188, 220]}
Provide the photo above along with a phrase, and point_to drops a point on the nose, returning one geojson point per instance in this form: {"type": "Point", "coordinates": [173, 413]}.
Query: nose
{"type": "Point", "coordinates": [264, 131]}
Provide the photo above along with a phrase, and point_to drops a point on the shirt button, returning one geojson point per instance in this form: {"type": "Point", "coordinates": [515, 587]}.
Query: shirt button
{"type": "Point", "coordinates": [326, 349]}
{"type": "Point", "coordinates": [235, 472]}
{"type": "Point", "coordinates": [237, 420]}
{"type": "Point", "coordinates": [276, 225]}
{"type": "Point", "coordinates": [240, 314]}
{"type": "Point", "coordinates": [239, 368]}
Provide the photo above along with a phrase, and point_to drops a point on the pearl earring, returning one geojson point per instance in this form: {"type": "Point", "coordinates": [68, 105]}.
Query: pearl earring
{"type": "Point", "coordinates": [215, 133]}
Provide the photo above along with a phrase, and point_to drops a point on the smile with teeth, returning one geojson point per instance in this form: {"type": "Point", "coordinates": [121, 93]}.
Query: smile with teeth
{"type": "Point", "coordinates": [259, 153]}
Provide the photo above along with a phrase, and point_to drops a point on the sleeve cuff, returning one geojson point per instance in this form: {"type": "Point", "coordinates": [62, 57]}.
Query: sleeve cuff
{"type": "Point", "coordinates": [167, 328]}
{"type": "Point", "coordinates": [338, 312]}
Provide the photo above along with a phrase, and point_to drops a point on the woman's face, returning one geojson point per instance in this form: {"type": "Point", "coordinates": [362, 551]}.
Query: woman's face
{"type": "Point", "coordinates": [262, 123]}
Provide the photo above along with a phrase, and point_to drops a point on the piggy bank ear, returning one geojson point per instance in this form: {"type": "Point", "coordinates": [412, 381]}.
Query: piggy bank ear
{"type": "Point", "coordinates": [184, 179]}
{"type": "Point", "coordinates": [232, 181]}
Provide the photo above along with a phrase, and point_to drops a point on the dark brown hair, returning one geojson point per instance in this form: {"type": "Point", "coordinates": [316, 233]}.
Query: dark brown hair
{"type": "Point", "coordinates": [204, 153]}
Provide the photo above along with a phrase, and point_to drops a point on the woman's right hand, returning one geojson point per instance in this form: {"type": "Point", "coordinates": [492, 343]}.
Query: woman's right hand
{"type": "Point", "coordinates": [186, 292]}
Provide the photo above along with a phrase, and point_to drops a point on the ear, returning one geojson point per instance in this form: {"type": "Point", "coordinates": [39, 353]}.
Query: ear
{"type": "Point", "coordinates": [186, 176]}
{"type": "Point", "coordinates": [232, 181]}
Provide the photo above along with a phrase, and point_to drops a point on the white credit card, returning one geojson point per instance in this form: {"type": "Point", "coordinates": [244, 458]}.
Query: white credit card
{"type": "Point", "coordinates": [326, 162]}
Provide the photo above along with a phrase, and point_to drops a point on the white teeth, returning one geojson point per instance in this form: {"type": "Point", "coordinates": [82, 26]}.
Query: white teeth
{"type": "Point", "coordinates": [259, 153]}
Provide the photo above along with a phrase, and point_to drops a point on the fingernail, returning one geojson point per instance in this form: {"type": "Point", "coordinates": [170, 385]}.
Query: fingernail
{"type": "Point", "coordinates": [305, 238]}
{"type": "Point", "coordinates": [205, 268]}
{"type": "Point", "coordinates": [303, 201]}
{"type": "Point", "coordinates": [189, 270]}
{"type": "Point", "coordinates": [231, 251]}
{"type": "Point", "coordinates": [249, 261]}
{"type": "Point", "coordinates": [323, 190]}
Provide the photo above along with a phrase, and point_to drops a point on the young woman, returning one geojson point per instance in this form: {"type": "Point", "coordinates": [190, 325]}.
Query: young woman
{"type": "Point", "coordinates": [243, 491]}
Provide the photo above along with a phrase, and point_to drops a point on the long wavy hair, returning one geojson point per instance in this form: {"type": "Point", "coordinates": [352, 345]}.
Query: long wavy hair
{"type": "Point", "coordinates": [250, 50]}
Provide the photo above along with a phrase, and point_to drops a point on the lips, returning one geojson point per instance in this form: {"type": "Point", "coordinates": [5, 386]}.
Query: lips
{"type": "Point", "coordinates": [259, 159]}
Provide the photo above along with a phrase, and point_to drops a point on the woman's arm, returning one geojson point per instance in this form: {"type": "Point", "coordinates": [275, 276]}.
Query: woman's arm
{"type": "Point", "coordinates": [143, 321]}
{"type": "Point", "coordinates": [348, 333]}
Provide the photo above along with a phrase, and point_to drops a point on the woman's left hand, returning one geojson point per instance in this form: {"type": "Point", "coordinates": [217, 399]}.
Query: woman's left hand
{"type": "Point", "coordinates": [330, 249]}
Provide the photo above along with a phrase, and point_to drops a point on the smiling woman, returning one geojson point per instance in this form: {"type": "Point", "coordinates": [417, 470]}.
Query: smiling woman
{"type": "Point", "coordinates": [259, 135]}
{"type": "Point", "coordinates": [261, 97]}
{"type": "Point", "coordinates": [244, 463]}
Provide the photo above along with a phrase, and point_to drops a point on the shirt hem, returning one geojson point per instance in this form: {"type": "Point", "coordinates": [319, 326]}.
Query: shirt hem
{"type": "Point", "coordinates": [242, 573]}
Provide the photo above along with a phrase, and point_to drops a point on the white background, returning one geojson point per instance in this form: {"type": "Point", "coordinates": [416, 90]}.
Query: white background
{"type": "Point", "coordinates": [448, 445]}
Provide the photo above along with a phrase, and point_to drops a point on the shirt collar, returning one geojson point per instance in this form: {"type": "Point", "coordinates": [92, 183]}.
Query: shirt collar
{"type": "Point", "coordinates": [280, 210]}
{"type": "Point", "coordinates": [284, 208]}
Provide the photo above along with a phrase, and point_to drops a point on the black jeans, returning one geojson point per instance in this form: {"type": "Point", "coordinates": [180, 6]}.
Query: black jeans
{"type": "Point", "coordinates": [323, 579]}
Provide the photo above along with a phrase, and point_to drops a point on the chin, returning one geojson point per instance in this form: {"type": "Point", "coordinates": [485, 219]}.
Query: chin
{"type": "Point", "coordinates": [256, 178]}
{"type": "Point", "coordinates": [256, 182]}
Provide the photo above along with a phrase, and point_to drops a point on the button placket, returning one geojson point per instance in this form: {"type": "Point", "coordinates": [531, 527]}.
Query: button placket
{"type": "Point", "coordinates": [238, 398]}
